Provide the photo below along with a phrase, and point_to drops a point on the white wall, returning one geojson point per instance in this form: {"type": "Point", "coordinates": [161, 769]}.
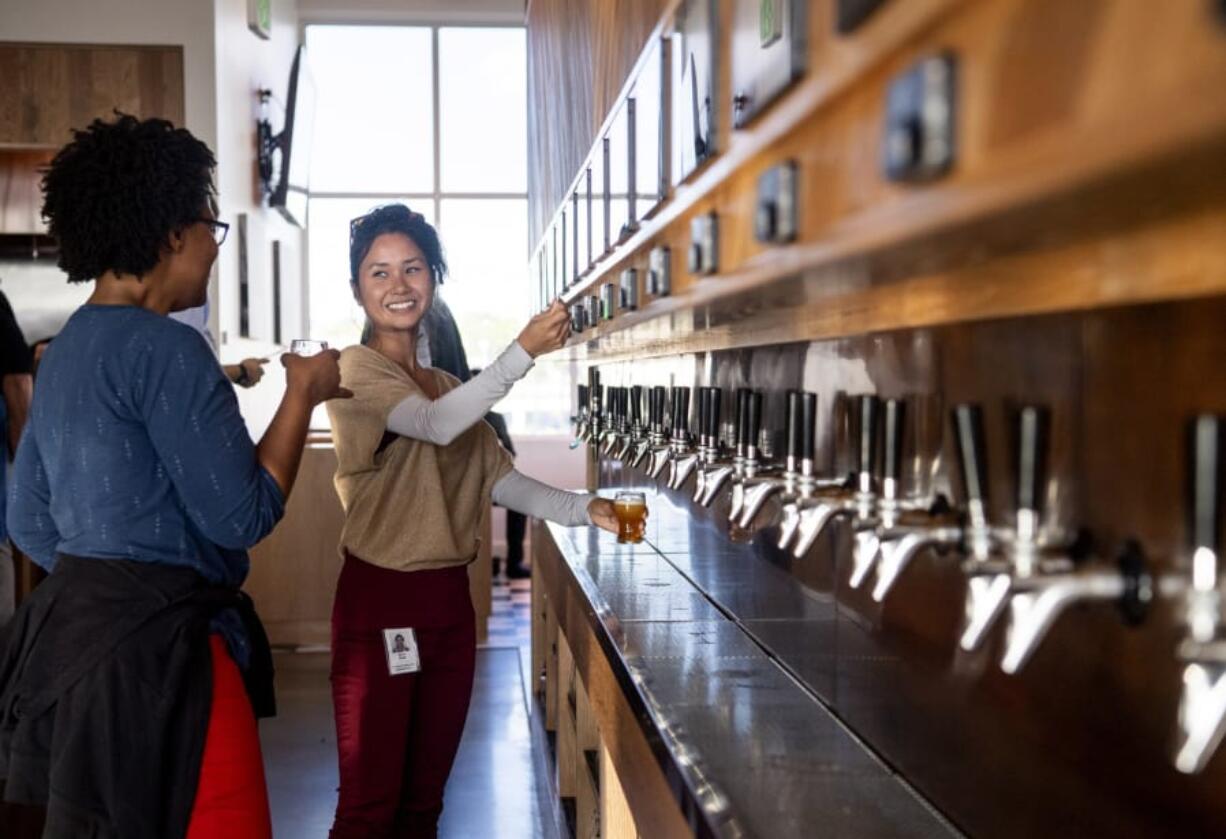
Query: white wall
{"type": "Point", "coordinates": [224, 65]}
{"type": "Point", "coordinates": [246, 63]}
{"type": "Point", "coordinates": [412, 11]}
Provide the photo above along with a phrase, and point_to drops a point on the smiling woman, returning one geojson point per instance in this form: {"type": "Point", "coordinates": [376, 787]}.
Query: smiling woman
{"type": "Point", "coordinates": [417, 469]}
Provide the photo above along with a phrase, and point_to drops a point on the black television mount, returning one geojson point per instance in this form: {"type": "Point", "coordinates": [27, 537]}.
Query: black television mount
{"type": "Point", "coordinates": [267, 144]}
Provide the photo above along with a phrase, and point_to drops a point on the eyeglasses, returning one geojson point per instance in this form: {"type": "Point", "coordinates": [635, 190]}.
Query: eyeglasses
{"type": "Point", "coordinates": [220, 229]}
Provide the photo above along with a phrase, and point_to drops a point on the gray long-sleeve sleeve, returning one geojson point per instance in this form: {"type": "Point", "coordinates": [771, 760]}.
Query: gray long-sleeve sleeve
{"type": "Point", "coordinates": [441, 420]}
{"type": "Point", "coordinates": [518, 492]}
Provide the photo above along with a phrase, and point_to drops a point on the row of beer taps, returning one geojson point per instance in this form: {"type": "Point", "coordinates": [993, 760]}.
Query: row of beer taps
{"type": "Point", "coordinates": [1028, 572]}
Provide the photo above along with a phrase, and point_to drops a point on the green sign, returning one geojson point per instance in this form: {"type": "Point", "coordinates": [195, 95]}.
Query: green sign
{"type": "Point", "coordinates": [770, 21]}
{"type": "Point", "coordinates": [259, 17]}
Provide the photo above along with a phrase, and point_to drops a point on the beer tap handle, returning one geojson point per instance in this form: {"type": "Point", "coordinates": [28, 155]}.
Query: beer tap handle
{"type": "Point", "coordinates": [895, 415]}
{"type": "Point", "coordinates": [1032, 435]}
{"type": "Point", "coordinates": [1206, 480]}
{"type": "Point", "coordinates": [636, 405]}
{"type": "Point", "coordinates": [713, 415]}
{"type": "Point", "coordinates": [704, 410]}
{"type": "Point", "coordinates": [741, 440]}
{"type": "Point", "coordinates": [753, 421]}
{"type": "Point", "coordinates": [968, 434]}
{"type": "Point", "coordinates": [683, 415]}
{"type": "Point", "coordinates": [794, 429]}
{"type": "Point", "coordinates": [808, 422]}
{"type": "Point", "coordinates": [583, 404]}
{"type": "Point", "coordinates": [658, 394]}
{"type": "Point", "coordinates": [594, 394]}
{"type": "Point", "coordinates": [868, 442]}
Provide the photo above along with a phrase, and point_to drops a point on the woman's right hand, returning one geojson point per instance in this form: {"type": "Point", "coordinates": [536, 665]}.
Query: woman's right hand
{"type": "Point", "coordinates": [547, 331]}
{"type": "Point", "coordinates": [317, 378]}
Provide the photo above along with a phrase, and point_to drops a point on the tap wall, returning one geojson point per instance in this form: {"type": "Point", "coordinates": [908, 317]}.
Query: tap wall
{"type": "Point", "coordinates": [1079, 743]}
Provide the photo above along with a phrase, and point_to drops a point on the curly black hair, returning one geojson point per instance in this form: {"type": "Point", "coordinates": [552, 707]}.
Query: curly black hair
{"type": "Point", "coordinates": [395, 218]}
{"type": "Point", "coordinates": [113, 195]}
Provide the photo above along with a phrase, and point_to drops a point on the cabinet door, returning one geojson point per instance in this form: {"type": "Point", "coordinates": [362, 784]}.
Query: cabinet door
{"type": "Point", "coordinates": [51, 89]}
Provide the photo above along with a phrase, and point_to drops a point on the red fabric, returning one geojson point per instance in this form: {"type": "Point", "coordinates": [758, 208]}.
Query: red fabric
{"type": "Point", "coordinates": [397, 736]}
{"type": "Point", "coordinates": [231, 798]}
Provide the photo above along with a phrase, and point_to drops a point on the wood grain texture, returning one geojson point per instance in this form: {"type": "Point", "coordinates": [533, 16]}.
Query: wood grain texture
{"type": "Point", "coordinates": [294, 570]}
{"type": "Point", "coordinates": [21, 196]}
{"type": "Point", "coordinates": [1121, 93]}
{"type": "Point", "coordinates": [579, 56]}
{"type": "Point", "coordinates": [50, 89]}
{"type": "Point", "coordinates": [647, 794]}
{"type": "Point", "coordinates": [1087, 728]}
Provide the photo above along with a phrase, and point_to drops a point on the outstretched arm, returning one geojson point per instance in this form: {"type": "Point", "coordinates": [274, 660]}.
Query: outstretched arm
{"type": "Point", "coordinates": [518, 492]}
{"type": "Point", "coordinates": [441, 420]}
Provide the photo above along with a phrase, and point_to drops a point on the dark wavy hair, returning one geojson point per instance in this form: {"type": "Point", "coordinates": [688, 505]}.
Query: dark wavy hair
{"type": "Point", "coordinates": [394, 218]}
{"type": "Point", "coordinates": [113, 195]}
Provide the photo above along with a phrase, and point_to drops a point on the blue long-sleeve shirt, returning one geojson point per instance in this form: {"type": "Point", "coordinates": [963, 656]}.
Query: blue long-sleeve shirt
{"type": "Point", "coordinates": [135, 449]}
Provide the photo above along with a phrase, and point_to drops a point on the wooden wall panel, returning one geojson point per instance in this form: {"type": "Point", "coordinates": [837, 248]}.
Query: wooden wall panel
{"type": "Point", "coordinates": [579, 57]}
{"type": "Point", "coordinates": [1110, 123]}
{"type": "Point", "coordinates": [50, 89]}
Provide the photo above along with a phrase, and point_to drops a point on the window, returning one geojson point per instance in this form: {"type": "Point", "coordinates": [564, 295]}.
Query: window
{"type": "Point", "coordinates": [453, 146]}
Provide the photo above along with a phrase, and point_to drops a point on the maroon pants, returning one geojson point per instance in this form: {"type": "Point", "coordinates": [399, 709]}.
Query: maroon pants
{"type": "Point", "coordinates": [397, 735]}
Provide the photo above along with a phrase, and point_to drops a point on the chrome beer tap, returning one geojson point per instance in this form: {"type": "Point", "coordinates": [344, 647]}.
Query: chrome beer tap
{"type": "Point", "coordinates": [866, 544]}
{"type": "Point", "coordinates": [708, 435]}
{"type": "Point", "coordinates": [619, 428]}
{"type": "Point", "coordinates": [826, 504]}
{"type": "Point", "coordinates": [1046, 579]}
{"type": "Point", "coordinates": [591, 432]}
{"type": "Point", "coordinates": [906, 526]}
{"type": "Point", "coordinates": [747, 463]}
{"type": "Point", "coordinates": [721, 467]}
{"type": "Point", "coordinates": [659, 452]}
{"type": "Point", "coordinates": [643, 436]}
{"type": "Point", "coordinates": [687, 456]}
{"type": "Point", "coordinates": [770, 482]}
{"type": "Point", "coordinates": [988, 574]}
{"type": "Point", "coordinates": [580, 418]}
{"type": "Point", "coordinates": [684, 458]}
{"type": "Point", "coordinates": [635, 433]}
{"type": "Point", "coordinates": [1202, 705]}
{"type": "Point", "coordinates": [800, 442]}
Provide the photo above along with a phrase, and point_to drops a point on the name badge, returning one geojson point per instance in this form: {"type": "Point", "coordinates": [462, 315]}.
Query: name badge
{"type": "Point", "coordinates": [401, 647]}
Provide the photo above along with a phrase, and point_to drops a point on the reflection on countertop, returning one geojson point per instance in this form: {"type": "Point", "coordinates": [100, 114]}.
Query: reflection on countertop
{"type": "Point", "coordinates": [693, 621]}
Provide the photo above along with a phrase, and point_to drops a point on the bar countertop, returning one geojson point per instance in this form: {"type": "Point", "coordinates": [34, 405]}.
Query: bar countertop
{"type": "Point", "coordinates": [688, 631]}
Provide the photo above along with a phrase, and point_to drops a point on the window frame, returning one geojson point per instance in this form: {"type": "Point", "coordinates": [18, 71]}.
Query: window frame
{"type": "Point", "coordinates": [437, 194]}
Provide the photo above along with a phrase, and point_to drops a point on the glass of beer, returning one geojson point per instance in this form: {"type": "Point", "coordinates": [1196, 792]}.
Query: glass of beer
{"type": "Point", "coordinates": [305, 346]}
{"type": "Point", "coordinates": [631, 511]}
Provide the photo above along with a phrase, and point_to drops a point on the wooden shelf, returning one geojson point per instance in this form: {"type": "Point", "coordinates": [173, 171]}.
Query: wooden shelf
{"type": "Point", "coordinates": [1065, 147]}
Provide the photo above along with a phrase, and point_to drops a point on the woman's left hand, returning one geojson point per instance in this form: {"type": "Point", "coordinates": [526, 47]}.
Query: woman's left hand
{"type": "Point", "coordinates": [600, 511]}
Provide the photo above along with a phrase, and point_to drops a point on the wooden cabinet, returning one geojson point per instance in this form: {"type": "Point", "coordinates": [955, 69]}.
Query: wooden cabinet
{"type": "Point", "coordinates": [21, 197]}
{"type": "Point", "coordinates": [49, 89]}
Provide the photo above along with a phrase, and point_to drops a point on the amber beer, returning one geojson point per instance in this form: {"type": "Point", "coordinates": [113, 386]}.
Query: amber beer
{"type": "Point", "coordinates": [631, 511]}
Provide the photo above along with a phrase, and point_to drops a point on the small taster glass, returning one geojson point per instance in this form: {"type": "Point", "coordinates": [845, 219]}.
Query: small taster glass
{"type": "Point", "coordinates": [631, 511]}
{"type": "Point", "coordinates": [305, 346]}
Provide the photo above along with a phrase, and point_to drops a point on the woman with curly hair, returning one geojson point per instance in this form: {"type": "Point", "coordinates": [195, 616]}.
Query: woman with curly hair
{"type": "Point", "coordinates": [416, 470]}
{"type": "Point", "coordinates": [130, 679]}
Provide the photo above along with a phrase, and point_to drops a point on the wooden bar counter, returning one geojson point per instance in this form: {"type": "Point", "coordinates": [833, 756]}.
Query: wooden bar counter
{"type": "Point", "coordinates": [705, 731]}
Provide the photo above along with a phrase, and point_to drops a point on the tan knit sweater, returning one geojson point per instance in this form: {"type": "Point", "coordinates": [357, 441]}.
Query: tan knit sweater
{"type": "Point", "coordinates": [409, 504]}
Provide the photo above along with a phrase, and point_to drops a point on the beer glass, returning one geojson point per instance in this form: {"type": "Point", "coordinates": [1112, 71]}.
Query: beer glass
{"type": "Point", "coordinates": [305, 346]}
{"type": "Point", "coordinates": [631, 511]}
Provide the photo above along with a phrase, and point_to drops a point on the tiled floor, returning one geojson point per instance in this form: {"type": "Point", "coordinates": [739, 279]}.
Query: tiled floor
{"type": "Point", "coordinates": [494, 792]}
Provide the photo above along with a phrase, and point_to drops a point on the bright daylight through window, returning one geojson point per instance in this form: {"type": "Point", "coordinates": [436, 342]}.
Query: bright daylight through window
{"type": "Point", "coordinates": [379, 114]}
